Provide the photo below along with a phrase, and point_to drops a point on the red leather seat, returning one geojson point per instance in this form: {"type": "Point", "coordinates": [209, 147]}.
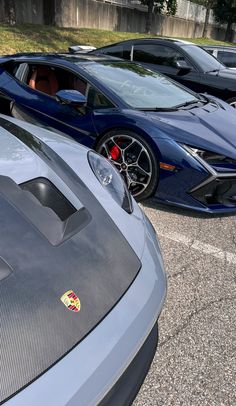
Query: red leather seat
{"type": "Point", "coordinates": [44, 80]}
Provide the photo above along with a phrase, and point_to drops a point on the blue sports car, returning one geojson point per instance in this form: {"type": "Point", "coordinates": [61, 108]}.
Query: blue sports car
{"type": "Point", "coordinates": [165, 140]}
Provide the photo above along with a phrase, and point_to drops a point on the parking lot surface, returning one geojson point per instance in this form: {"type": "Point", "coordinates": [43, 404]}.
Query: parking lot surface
{"type": "Point", "coordinates": [195, 363]}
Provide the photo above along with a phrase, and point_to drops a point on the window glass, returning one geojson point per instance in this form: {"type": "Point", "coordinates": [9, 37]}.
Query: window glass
{"type": "Point", "coordinates": [205, 61]}
{"type": "Point", "coordinates": [158, 54]}
{"type": "Point", "coordinates": [97, 100]}
{"type": "Point", "coordinates": [116, 50]}
{"type": "Point", "coordinates": [228, 58]}
{"type": "Point", "coordinates": [139, 87]}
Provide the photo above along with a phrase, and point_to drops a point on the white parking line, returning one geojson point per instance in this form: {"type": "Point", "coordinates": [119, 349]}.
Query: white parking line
{"type": "Point", "coordinates": [200, 246]}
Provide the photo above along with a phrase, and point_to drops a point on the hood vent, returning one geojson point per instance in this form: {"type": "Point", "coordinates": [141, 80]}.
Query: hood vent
{"type": "Point", "coordinates": [42, 204]}
{"type": "Point", "coordinates": [49, 196]}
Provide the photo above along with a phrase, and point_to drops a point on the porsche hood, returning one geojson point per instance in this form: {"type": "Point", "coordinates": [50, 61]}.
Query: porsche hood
{"type": "Point", "coordinates": [63, 262]}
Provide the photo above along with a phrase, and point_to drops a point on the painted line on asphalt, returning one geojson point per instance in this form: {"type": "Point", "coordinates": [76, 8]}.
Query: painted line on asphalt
{"type": "Point", "coordinates": [201, 247]}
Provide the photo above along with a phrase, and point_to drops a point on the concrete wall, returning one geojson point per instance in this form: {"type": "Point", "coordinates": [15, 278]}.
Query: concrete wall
{"type": "Point", "coordinates": [94, 14]}
{"type": "Point", "coordinates": [29, 11]}
{"type": "Point", "coordinates": [109, 16]}
{"type": "Point", "coordinates": [22, 11]}
{"type": "Point", "coordinates": [192, 11]}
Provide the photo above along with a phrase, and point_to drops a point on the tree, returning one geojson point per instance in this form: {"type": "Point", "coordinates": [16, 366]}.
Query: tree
{"type": "Point", "coordinates": [225, 12]}
{"type": "Point", "coordinates": [10, 11]}
{"type": "Point", "coordinates": [158, 6]}
{"type": "Point", "coordinates": [208, 4]}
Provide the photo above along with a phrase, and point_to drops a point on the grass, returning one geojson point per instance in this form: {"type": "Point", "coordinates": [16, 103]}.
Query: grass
{"type": "Point", "coordinates": [24, 38]}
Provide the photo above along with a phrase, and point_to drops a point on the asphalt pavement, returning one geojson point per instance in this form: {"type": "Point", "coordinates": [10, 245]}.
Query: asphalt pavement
{"type": "Point", "coordinates": [195, 363]}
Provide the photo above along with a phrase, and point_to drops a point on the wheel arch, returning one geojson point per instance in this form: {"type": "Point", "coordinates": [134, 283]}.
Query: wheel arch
{"type": "Point", "coordinates": [137, 130]}
{"type": "Point", "coordinates": [152, 151]}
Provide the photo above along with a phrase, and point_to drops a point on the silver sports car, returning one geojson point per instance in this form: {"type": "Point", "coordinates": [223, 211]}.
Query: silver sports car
{"type": "Point", "coordinates": [81, 275]}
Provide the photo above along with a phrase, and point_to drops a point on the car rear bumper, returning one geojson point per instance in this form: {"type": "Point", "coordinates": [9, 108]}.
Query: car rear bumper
{"type": "Point", "coordinates": [93, 371]}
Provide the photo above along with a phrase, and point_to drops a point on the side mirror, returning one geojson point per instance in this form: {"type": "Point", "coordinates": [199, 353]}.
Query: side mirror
{"type": "Point", "coordinates": [71, 97]}
{"type": "Point", "coordinates": [183, 68]}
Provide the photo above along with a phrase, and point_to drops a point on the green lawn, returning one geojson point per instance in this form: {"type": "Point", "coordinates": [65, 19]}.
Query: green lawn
{"type": "Point", "coordinates": [44, 38]}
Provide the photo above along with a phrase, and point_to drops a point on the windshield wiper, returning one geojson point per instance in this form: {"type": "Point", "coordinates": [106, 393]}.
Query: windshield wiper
{"type": "Point", "coordinates": [189, 103]}
{"type": "Point", "coordinates": [165, 109]}
{"type": "Point", "coordinates": [174, 108]}
{"type": "Point", "coordinates": [213, 71]}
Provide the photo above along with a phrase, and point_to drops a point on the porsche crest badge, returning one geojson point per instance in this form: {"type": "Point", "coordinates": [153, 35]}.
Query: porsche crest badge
{"type": "Point", "coordinates": [71, 301]}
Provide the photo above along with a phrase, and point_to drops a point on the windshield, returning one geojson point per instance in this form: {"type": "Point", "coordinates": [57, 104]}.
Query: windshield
{"type": "Point", "coordinates": [205, 61]}
{"type": "Point", "coordinates": [140, 87]}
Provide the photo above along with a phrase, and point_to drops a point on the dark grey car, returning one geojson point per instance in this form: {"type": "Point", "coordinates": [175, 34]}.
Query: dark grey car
{"type": "Point", "coordinates": [182, 61]}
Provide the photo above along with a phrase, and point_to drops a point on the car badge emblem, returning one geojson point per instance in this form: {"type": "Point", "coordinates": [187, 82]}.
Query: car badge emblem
{"type": "Point", "coordinates": [71, 301]}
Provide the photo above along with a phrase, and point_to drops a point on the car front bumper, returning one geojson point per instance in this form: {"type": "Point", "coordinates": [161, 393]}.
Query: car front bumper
{"type": "Point", "coordinates": [195, 184]}
{"type": "Point", "coordinates": [92, 372]}
{"type": "Point", "coordinates": [217, 193]}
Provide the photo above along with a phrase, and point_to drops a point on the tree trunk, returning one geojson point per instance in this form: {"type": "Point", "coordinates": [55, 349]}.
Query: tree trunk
{"type": "Point", "coordinates": [206, 22]}
{"type": "Point", "coordinates": [149, 16]}
{"type": "Point", "coordinates": [10, 11]}
{"type": "Point", "coordinates": [228, 33]}
{"type": "Point", "coordinates": [49, 12]}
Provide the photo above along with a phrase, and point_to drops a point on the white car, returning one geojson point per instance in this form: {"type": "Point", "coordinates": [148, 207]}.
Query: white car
{"type": "Point", "coordinates": [81, 275]}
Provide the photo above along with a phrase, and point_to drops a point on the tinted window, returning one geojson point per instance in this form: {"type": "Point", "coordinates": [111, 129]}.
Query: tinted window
{"type": "Point", "coordinates": [140, 87]}
{"type": "Point", "coordinates": [119, 51]}
{"type": "Point", "coordinates": [126, 51]}
{"type": "Point", "coordinates": [205, 61]}
{"type": "Point", "coordinates": [113, 51]}
{"type": "Point", "coordinates": [158, 54]}
{"type": "Point", "coordinates": [228, 58]}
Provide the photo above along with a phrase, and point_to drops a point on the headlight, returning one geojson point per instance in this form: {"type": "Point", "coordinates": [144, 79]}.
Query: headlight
{"type": "Point", "coordinates": [111, 180]}
{"type": "Point", "coordinates": [212, 158]}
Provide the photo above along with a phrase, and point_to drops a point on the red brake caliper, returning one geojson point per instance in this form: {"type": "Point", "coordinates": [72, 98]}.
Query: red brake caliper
{"type": "Point", "coordinates": [115, 152]}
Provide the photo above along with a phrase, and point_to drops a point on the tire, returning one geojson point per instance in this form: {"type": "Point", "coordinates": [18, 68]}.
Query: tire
{"type": "Point", "coordinates": [232, 102]}
{"type": "Point", "coordinates": [134, 158]}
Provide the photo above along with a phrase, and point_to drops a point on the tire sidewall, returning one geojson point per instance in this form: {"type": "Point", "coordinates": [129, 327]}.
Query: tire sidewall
{"type": "Point", "coordinates": [152, 186]}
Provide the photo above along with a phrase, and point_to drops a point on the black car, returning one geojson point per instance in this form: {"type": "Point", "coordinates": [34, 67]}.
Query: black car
{"type": "Point", "coordinates": [225, 54]}
{"type": "Point", "coordinates": [183, 61]}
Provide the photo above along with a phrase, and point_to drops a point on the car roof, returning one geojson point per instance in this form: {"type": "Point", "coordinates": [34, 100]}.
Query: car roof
{"type": "Point", "coordinates": [222, 47]}
{"type": "Point", "coordinates": [157, 40]}
{"type": "Point", "coordinates": [69, 57]}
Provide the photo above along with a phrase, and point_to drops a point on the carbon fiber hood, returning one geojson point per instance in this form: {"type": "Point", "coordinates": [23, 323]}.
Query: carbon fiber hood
{"type": "Point", "coordinates": [95, 262]}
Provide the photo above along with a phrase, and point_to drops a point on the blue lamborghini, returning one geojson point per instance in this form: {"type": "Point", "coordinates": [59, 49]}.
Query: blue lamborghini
{"type": "Point", "coordinates": [165, 140]}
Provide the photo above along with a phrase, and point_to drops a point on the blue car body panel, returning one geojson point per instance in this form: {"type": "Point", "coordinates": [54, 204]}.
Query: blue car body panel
{"type": "Point", "coordinates": [210, 127]}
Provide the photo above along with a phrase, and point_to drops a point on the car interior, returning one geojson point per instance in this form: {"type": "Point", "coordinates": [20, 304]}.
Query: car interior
{"type": "Point", "coordinates": [50, 80]}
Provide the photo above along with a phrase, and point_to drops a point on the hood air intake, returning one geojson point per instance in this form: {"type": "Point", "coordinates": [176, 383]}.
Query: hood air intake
{"type": "Point", "coordinates": [45, 207]}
